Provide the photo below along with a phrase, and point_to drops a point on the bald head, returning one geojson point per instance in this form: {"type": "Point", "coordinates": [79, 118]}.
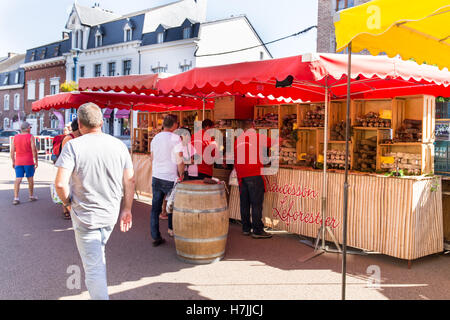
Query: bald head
{"type": "Point", "coordinates": [90, 116]}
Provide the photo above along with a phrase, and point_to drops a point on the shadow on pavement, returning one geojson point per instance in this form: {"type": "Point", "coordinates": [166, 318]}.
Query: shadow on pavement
{"type": "Point", "coordinates": [38, 247]}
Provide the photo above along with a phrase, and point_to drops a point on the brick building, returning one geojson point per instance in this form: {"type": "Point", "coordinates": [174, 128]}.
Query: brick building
{"type": "Point", "coordinates": [326, 40]}
{"type": "Point", "coordinates": [45, 71]}
{"type": "Point", "coordinates": [11, 91]}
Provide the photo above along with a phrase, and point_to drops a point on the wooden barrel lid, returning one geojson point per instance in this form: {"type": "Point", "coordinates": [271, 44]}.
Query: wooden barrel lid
{"type": "Point", "coordinates": [199, 185]}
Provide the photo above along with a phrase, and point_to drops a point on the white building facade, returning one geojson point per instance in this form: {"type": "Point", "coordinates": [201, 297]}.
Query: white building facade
{"type": "Point", "coordinates": [165, 39]}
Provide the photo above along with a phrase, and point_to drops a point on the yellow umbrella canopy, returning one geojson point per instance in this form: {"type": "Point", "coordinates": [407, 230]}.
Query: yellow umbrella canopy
{"type": "Point", "coordinates": [417, 29]}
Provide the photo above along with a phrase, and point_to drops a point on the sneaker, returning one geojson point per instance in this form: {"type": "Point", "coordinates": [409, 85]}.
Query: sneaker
{"type": "Point", "coordinates": [16, 202]}
{"type": "Point", "coordinates": [246, 233]}
{"type": "Point", "coordinates": [158, 242]}
{"type": "Point", "coordinates": [261, 235]}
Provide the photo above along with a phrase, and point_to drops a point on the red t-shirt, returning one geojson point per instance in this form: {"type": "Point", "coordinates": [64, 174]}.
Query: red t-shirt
{"type": "Point", "coordinates": [248, 152]}
{"type": "Point", "coordinates": [22, 146]}
{"type": "Point", "coordinates": [202, 142]}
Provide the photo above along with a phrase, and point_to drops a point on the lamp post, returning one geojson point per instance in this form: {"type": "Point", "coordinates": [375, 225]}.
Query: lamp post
{"type": "Point", "coordinates": [75, 52]}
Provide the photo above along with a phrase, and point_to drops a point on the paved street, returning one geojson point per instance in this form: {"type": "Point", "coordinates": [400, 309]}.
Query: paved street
{"type": "Point", "coordinates": [38, 246]}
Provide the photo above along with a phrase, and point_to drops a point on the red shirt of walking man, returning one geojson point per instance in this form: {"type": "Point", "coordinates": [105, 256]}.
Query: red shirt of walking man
{"type": "Point", "coordinates": [24, 160]}
{"type": "Point", "coordinates": [248, 151]}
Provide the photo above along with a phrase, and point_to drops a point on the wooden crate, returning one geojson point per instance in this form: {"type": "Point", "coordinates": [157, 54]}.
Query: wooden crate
{"type": "Point", "coordinates": [140, 140]}
{"type": "Point", "coordinates": [261, 111]}
{"type": "Point", "coordinates": [420, 108]}
{"type": "Point", "coordinates": [234, 107]}
{"type": "Point", "coordinates": [303, 109]}
{"type": "Point", "coordinates": [143, 119]}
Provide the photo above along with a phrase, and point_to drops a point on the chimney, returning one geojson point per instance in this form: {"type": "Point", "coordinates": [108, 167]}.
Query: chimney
{"type": "Point", "coordinates": [12, 54]}
{"type": "Point", "coordinates": [65, 35]}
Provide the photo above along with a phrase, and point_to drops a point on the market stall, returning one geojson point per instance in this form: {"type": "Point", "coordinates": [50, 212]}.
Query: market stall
{"type": "Point", "coordinates": [392, 118]}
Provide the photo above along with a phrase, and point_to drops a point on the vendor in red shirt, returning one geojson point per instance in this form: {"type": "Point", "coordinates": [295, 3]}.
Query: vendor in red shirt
{"type": "Point", "coordinates": [205, 146]}
{"type": "Point", "coordinates": [248, 151]}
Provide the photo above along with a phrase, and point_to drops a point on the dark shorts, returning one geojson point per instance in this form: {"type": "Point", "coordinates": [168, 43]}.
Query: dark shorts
{"type": "Point", "coordinates": [21, 171]}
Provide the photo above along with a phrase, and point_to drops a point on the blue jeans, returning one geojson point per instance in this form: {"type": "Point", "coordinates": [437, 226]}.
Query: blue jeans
{"type": "Point", "coordinates": [91, 246]}
{"type": "Point", "coordinates": [160, 188]}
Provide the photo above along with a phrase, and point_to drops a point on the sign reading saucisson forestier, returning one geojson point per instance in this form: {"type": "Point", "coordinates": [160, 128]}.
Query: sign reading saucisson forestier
{"type": "Point", "coordinates": [285, 204]}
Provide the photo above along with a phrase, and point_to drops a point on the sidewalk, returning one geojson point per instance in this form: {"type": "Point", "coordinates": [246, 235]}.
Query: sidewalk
{"type": "Point", "coordinates": [38, 247]}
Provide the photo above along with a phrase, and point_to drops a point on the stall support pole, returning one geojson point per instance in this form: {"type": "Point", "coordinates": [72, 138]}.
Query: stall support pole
{"type": "Point", "coordinates": [324, 186]}
{"type": "Point", "coordinates": [347, 135]}
{"type": "Point", "coordinates": [203, 116]}
{"type": "Point", "coordinates": [323, 228]}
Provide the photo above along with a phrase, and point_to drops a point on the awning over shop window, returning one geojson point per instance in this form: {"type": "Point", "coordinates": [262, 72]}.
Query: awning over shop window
{"type": "Point", "coordinates": [107, 113]}
{"type": "Point", "coordinates": [122, 114]}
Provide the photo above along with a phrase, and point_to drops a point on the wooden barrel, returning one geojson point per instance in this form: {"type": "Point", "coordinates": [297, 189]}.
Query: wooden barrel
{"type": "Point", "coordinates": [200, 222]}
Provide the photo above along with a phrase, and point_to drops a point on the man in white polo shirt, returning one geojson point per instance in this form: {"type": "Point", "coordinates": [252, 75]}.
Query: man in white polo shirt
{"type": "Point", "coordinates": [166, 152]}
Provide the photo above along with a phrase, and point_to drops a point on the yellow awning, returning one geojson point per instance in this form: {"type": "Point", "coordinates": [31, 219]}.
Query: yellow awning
{"type": "Point", "coordinates": [417, 29]}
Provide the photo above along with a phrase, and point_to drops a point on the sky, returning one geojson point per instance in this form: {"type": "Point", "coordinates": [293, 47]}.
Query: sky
{"type": "Point", "coordinates": [25, 24]}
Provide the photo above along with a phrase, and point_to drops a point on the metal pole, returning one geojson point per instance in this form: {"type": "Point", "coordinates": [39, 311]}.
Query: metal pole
{"type": "Point", "coordinates": [324, 186]}
{"type": "Point", "coordinates": [347, 135]}
{"type": "Point", "coordinates": [203, 117]}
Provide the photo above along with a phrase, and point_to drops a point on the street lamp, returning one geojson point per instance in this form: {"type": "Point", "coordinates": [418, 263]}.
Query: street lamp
{"type": "Point", "coordinates": [75, 52]}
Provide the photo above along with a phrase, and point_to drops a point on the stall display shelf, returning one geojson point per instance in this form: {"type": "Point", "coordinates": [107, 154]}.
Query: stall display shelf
{"type": "Point", "coordinates": [309, 144]}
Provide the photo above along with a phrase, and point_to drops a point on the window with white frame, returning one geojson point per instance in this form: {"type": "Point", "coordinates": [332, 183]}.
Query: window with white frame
{"type": "Point", "coordinates": [187, 32]}
{"type": "Point", "coordinates": [98, 39]}
{"type": "Point", "coordinates": [54, 86]}
{"type": "Point", "coordinates": [6, 102]}
{"type": "Point", "coordinates": [80, 45]}
{"type": "Point", "coordinates": [81, 71]}
{"type": "Point", "coordinates": [128, 32]}
{"type": "Point", "coordinates": [16, 101]}
{"type": "Point", "coordinates": [160, 38]}
{"type": "Point", "coordinates": [41, 88]}
{"type": "Point", "coordinates": [97, 70]}
{"type": "Point", "coordinates": [111, 69]}
{"type": "Point", "coordinates": [31, 92]}
{"type": "Point", "coordinates": [6, 123]}
{"type": "Point", "coordinates": [6, 80]}
{"type": "Point", "coordinates": [17, 77]}
{"type": "Point", "coordinates": [126, 67]}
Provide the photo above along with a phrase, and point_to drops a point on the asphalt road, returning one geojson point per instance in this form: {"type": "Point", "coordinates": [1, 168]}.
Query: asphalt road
{"type": "Point", "coordinates": [39, 260]}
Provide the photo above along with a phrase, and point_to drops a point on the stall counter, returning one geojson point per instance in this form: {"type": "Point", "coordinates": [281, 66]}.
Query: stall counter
{"type": "Point", "coordinates": [399, 217]}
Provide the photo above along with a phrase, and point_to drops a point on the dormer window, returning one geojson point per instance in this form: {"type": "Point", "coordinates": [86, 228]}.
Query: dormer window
{"type": "Point", "coordinates": [187, 32]}
{"type": "Point", "coordinates": [5, 81]}
{"type": "Point", "coordinates": [56, 51]}
{"type": "Point", "coordinates": [160, 38]}
{"type": "Point", "coordinates": [128, 31]}
{"type": "Point", "coordinates": [17, 77]}
{"type": "Point", "coordinates": [98, 40]}
{"type": "Point", "coordinates": [43, 52]}
{"type": "Point", "coordinates": [33, 55]}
